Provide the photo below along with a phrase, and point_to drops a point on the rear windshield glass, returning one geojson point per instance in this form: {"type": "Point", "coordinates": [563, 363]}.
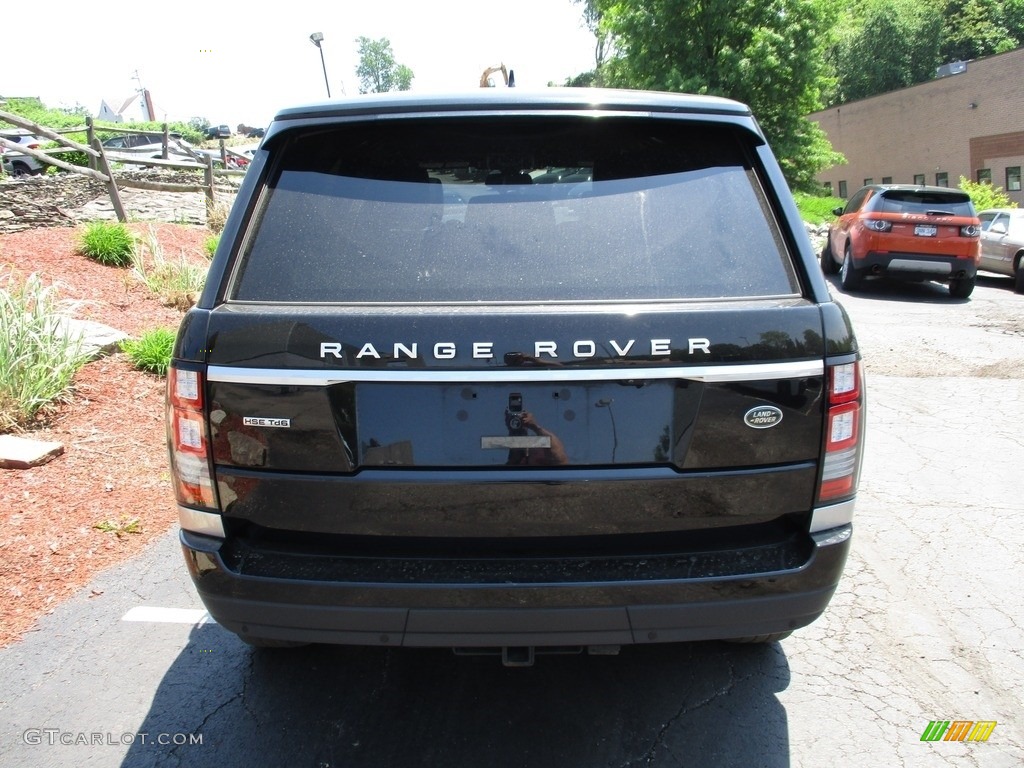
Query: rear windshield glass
{"type": "Point", "coordinates": [512, 210]}
{"type": "Point", "coordinates": [909, 201]}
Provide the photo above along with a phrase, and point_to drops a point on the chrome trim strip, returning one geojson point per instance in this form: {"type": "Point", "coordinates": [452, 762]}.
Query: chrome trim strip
{"type": "Point", "coordinates": [911, 265]}
{"type": "Point", "coordinates": [832, 516]}
{"type": "Point", "coordinates": [196, 521]}
{"type": "Point", "coordinates": [515, 441]}
{"type": "Point", "coordinates": [326, 377]}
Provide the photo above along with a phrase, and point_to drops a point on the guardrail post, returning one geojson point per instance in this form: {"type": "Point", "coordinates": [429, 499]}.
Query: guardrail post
{"type": "Point", "coordinates": [90, 134]}
{"type": "Point", "coordinates": [209, 186]}
{"type": "Point", "coordinates": [115, 196]}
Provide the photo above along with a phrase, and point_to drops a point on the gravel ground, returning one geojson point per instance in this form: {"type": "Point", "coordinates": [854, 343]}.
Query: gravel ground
{"type": "Point", "coordinates": [114, 468]}
{"type": "Point", "coordinates": [916, 330]}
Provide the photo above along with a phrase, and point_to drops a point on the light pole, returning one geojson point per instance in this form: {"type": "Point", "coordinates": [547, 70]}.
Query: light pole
{"type": "Point", "coordinates": [316, 38]}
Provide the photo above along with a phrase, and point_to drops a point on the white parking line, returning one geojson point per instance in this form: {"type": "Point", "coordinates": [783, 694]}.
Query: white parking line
{"type": "Point", "coordinates": [168, 615]}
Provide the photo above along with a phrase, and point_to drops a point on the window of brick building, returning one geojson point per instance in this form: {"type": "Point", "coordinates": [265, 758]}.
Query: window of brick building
{"type": "Point", "coordinates": [887, 179]}
{"type": "Point", "coordinates": [1013, 179]}
{"type": "Point", "coordinates": [919, 179]}
{"type": "Point", "coordinates": [984, 175]}
{"type": "Point", "coordinates": [942, 179]}
{"type": "Point", "coordinates": [828, 188]}
{"type": "Point", "coordinates": [868, 181]}
{"type": "Point", "coordinates": [842, 189]}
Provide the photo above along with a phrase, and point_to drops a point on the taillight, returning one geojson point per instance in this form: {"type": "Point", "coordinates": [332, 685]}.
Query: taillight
{"type": "Point", "coordinates": [188, 439]}
{"type": "Point", "coordinates": [877, 225]}
{"type": "Point", "coordinates": [970, 230]}
{"type": "Point", "coordinates": [843, 436]}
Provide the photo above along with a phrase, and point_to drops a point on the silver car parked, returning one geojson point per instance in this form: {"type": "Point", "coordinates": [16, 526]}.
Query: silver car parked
{"type": "Point", "coordinates": [18, 163]}
{"type": "Point", "coordinates": [1002, 243]}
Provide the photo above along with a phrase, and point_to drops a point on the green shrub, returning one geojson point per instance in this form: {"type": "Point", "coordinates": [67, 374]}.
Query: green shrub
{"type": "Point", "coordinates": [108, 243]}
{"type": "Point", "coordinates": [38, 354]}
{"type": "Point", "coordinates": [815, 209]}
{"type": "Point", "coordinates": [74, 158]}
{"type": "Point", "coordinates": [984, 195]}
{"type": "Point", "coordinates": [151, 351]}
{"type": "Point", "coordinates": [211, 245]}
{"type": "Point", "coordinates": [33, 109]}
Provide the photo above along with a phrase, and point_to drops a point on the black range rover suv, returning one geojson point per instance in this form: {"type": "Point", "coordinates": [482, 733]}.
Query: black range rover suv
{"type": "Point", "coordinates": [515, 371]}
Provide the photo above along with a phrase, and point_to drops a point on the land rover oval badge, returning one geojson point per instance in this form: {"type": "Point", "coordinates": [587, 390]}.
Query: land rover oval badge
{"type": "Point", "coordinates": [763, 417]}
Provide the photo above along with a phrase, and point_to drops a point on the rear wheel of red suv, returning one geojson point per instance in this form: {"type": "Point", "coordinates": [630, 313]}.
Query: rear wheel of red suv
{"type": "Point", "coordinates": [849, 276]}
{"type": "Point", "coordinates": [961, 288]}
{"type": "Point", "coordinates": [828, 264]}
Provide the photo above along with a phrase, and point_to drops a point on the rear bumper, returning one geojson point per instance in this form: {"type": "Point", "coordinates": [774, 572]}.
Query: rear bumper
{"type": "Point", "coordinates": [651, 605]}
{"type": "Point", "coordinates": [917, 266]}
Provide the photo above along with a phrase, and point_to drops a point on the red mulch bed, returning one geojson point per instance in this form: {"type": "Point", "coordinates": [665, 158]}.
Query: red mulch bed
{"type": "Point", "coordinates": [114, 466]}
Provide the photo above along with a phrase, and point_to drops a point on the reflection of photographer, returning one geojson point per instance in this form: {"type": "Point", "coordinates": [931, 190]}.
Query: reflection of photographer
{"type": "Point", "coordinates": [514, 415]}
{"type": "Point", "coordinates": [520, 423]}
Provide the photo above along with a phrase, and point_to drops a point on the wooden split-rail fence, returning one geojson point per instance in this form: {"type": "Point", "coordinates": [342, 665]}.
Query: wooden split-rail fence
{"type": "Point", "coordinates": [100, 162]}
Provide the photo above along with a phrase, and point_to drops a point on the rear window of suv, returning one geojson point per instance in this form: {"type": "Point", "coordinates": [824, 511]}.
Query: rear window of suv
{"type": "Point", "coordinates": [909, 201]}
{"type": "Point", "coordinates": [512, 209]}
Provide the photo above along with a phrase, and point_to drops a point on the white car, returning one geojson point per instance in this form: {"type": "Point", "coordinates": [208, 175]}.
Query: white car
{"type": "Point", "coordinates": [17, 163]}
{"type": "Point", "coordinates": [1002, 243]}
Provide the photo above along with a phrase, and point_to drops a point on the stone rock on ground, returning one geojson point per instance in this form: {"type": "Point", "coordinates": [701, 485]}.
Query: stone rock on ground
{"type": "Point", "coordinates": [23, 453]}
{"type": "Point", "coordinates": [97, 339]}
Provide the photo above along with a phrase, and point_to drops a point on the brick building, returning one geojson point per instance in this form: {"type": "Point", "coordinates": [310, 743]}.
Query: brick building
{"type": "Point", "coordinates": [967, 124]}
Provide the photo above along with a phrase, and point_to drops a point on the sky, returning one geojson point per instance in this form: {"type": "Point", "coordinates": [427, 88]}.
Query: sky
{"type": "Point", "coordinates": [240, 64]}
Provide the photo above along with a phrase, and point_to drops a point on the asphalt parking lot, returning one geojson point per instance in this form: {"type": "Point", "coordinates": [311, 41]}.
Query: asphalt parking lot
{"type": "Point", "coordinates": [925, 626]}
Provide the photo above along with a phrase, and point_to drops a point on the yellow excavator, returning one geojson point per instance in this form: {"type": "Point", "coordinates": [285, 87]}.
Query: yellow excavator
{"type": "Point", "coordinates": [507, 74]}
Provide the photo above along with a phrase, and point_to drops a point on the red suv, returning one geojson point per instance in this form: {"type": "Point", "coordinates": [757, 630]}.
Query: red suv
{"type": "Point", "coordinates": [906, 232]}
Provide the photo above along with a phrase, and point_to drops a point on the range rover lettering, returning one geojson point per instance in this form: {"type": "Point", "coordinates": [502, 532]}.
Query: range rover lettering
{"type": "Point", "coordinates": [515, 372]}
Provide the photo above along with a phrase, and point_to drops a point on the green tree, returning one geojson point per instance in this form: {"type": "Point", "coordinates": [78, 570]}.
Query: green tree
{"type": "Point", "coordinates": [882, 46]}
{"type": "Point", "coordinates": [769, 55]}
{"type": "Point", "coordinates": [582, 80]}
{"type": "Point", "coordinates": [890, 44]}
{"type": "Point", "coordinates": [378, 71]}
{"type": "Point", "coordinates": [592, 15]}
{"type": "Point", "coordinates": [978, 28]}
{"type": "Point", "coordinates": [1013, 18]}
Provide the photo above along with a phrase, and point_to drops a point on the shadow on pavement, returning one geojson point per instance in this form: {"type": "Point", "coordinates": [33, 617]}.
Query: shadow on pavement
{"type": "Point", "coordinates": [891, 289]}
{"type": "Point", "coordinates": [707, 704]}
